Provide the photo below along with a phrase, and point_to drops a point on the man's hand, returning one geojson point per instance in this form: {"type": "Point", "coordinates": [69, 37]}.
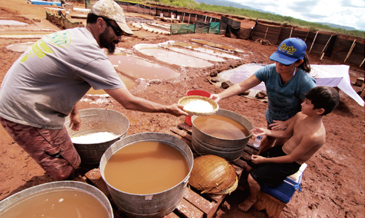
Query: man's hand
{"type": "Point", "coordinates": [75, 121]}
{"type": "Point", "coordinates": [257, 159]}
{"type": "Point", "coordinates": [177, 110]}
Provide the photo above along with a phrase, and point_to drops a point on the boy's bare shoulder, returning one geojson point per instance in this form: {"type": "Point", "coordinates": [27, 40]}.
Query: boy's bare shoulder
{"type": "Point", "coordinates": [317, 136]}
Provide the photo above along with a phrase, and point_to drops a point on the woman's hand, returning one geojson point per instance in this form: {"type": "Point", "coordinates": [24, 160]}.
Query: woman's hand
{"type": "Point", "coordinates": [278, 125]}
{"type": "Point", "coordinates": [215, 97]}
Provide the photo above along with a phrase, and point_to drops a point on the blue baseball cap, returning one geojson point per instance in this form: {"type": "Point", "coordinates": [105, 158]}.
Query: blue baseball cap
{"type": "Point", "coordinates": [289, 51]}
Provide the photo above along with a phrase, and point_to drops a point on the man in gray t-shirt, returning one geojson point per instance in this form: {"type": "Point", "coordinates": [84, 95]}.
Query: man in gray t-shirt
{"type": "Point", "coordinates": [44, 85]}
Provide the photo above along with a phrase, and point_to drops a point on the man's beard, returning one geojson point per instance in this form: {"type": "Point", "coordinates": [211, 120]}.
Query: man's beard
{"type": "Point", "coordinates": [105, 43]}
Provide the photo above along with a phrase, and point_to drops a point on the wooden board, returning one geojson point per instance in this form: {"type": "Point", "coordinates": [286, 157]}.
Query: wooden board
{"type": "Point", "coordinates": [193, 203]}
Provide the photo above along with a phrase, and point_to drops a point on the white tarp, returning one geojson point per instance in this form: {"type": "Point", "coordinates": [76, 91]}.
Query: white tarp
{"type": "Point", "coordinates": [336, 76]}
{"type": "Point", "coordinates": [325, 75]}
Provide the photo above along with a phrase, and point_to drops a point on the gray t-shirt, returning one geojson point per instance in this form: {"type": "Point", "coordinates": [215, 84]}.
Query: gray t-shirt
{"type": "Point", "coordinates": [47, 80]}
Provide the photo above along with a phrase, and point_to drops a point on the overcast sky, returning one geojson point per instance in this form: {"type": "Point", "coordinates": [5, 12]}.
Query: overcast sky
{"type": "Point", "coordinates": [342, 12]}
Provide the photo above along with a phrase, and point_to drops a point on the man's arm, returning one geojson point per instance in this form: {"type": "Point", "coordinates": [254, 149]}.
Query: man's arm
{"type": "Point", "coordinates": [131, 102]}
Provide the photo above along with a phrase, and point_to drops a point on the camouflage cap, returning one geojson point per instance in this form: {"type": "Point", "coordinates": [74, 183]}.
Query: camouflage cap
{"type": "Point", "coordinates": [111, 10]}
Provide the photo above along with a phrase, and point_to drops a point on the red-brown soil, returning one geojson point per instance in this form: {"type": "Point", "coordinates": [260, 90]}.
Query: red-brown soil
{"type": "Point", "coordinates": [333, 183]}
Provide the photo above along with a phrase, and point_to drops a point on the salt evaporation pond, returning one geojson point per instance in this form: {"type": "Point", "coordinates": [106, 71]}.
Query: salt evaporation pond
{"type": "Point", "coordinates": [20, 47]}
{"type": "Point", "coordinates": [171, 57]}
{"type": "Point", "coordinates": [216, 45]}
{"type": "Point", "coordinates": [139, 68]}
{"type": "Point", "coordinates": [12, 23]}
{"type": "Point", "coordinates": [129, 83]}
{"type": "Point", "coordinates": [197, 54]}
{"type": "Point", "coordinates": [203, 49]}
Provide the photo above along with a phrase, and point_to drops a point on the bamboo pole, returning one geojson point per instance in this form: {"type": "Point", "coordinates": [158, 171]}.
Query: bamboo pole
{"type": "Point", "coordinates": [350, 51]}
{"type": "Point", "coordinates": [183, 17]}
{"type": "Point", "coordinates": [305, 40]}
{"type": "Point", "coordinates": [362, 62]}
{"type": "Point", "coordinates": [313, 42]}
{"type": "Point", "coordinates": [267, 28]}
{"type": "Point", "coordinates": [325, 47]}
{"type": "Point", "coordinates": [291, 32]}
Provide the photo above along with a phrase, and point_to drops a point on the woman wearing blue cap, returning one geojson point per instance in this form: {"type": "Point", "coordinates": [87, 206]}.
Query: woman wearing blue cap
{"type": "Point", "coordinates": [286, 83]}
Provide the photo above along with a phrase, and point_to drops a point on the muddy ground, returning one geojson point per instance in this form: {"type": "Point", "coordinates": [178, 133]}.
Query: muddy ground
{"type": "Point", "coordinates": [332, 185]}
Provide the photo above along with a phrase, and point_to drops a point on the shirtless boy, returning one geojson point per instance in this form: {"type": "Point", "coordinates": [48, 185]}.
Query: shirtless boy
{"type": "Point", "coordinates": [307, 134]}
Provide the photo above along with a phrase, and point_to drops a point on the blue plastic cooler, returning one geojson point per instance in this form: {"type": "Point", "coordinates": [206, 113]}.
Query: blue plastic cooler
{"type": "Point", "coordinates": [286, 189]}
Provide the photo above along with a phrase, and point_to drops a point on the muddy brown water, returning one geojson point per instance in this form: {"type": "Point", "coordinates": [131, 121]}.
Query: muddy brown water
{"type": "Point", "coordinates": [139, 68]}
{"type": "Point", "coordinates": [221, 127]}
{"type": "Point", "coordinates": [58, 203]}
{"type": "Point", "coordinates": [145, 168]}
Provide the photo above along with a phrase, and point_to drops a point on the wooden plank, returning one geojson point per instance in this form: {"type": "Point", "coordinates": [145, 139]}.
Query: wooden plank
{"type": "Point", "coordinates": [181, 133]}
{"type": "Point", "coordinates": [187, 210]}
{"type": "Point", "coordinates": [251, 150]}
{"type": "Point", "coordinates": [185, 127]}
{"type": "Point", "coordinates": [272, 205]}
{"type": "Point", "coordinates": [95, 177]}
{"type": "Point", "coordinates": [246, 156]}
{"type": "Point", "coordinates": [238, 169]}
{"type": "Point", "coordinates": [171, 215]}
{"type": "Point", "coordinates": [239, 162]}
{"type": "Point", "coordinates": [217, 198]}
{"type": "Point", "coordinates": [198, 201]}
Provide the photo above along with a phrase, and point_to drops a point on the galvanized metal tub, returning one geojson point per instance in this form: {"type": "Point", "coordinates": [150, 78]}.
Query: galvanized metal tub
{"type": "Point", "coordinates": [229, 149]}
{"type": "Point", "coordinates": [151, 205]}
{"type": "Point", "coordinates": [96, 120]}
{"type": "Point", "coordinates": [10, 201]}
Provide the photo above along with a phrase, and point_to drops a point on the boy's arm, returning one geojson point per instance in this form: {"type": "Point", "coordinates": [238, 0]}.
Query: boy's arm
{"type": "Point", "coordinates": [305, 145]}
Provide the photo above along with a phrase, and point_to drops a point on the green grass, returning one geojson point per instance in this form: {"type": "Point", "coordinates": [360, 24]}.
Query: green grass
{"type": "Point", "coordinates": [253, 15]}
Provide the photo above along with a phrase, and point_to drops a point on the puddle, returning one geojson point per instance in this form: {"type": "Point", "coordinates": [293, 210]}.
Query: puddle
{"type": "Point", "coordinates": [129, 83]}
{"type": "Point", "coordinates": [197, 54]}
{"type": "Point", "coordinates": [138, 68]}
{"type": "Point", "coordinates": [240, 74]}
{"type": "Point", "coordinates": [20, 47]}
{"type": "Point", "coordinates": [203, 49]}
{"type": "Point", "coordinates": [12, 23]}
{"type": "Point", "coordinates": [216, 45]}
{"type": "Point", "coordinates": [171, 57]}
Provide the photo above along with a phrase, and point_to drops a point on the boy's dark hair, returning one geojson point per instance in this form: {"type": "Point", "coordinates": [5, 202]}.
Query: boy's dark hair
{"type": "Point", "coordinates": [323, 97]}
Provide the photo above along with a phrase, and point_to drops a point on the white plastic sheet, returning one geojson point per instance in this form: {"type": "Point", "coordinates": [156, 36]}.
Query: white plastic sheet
{"type": "Point", "coordinates": [325, 75]}
{"type": "Point", "coordinates": [336, 76]}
